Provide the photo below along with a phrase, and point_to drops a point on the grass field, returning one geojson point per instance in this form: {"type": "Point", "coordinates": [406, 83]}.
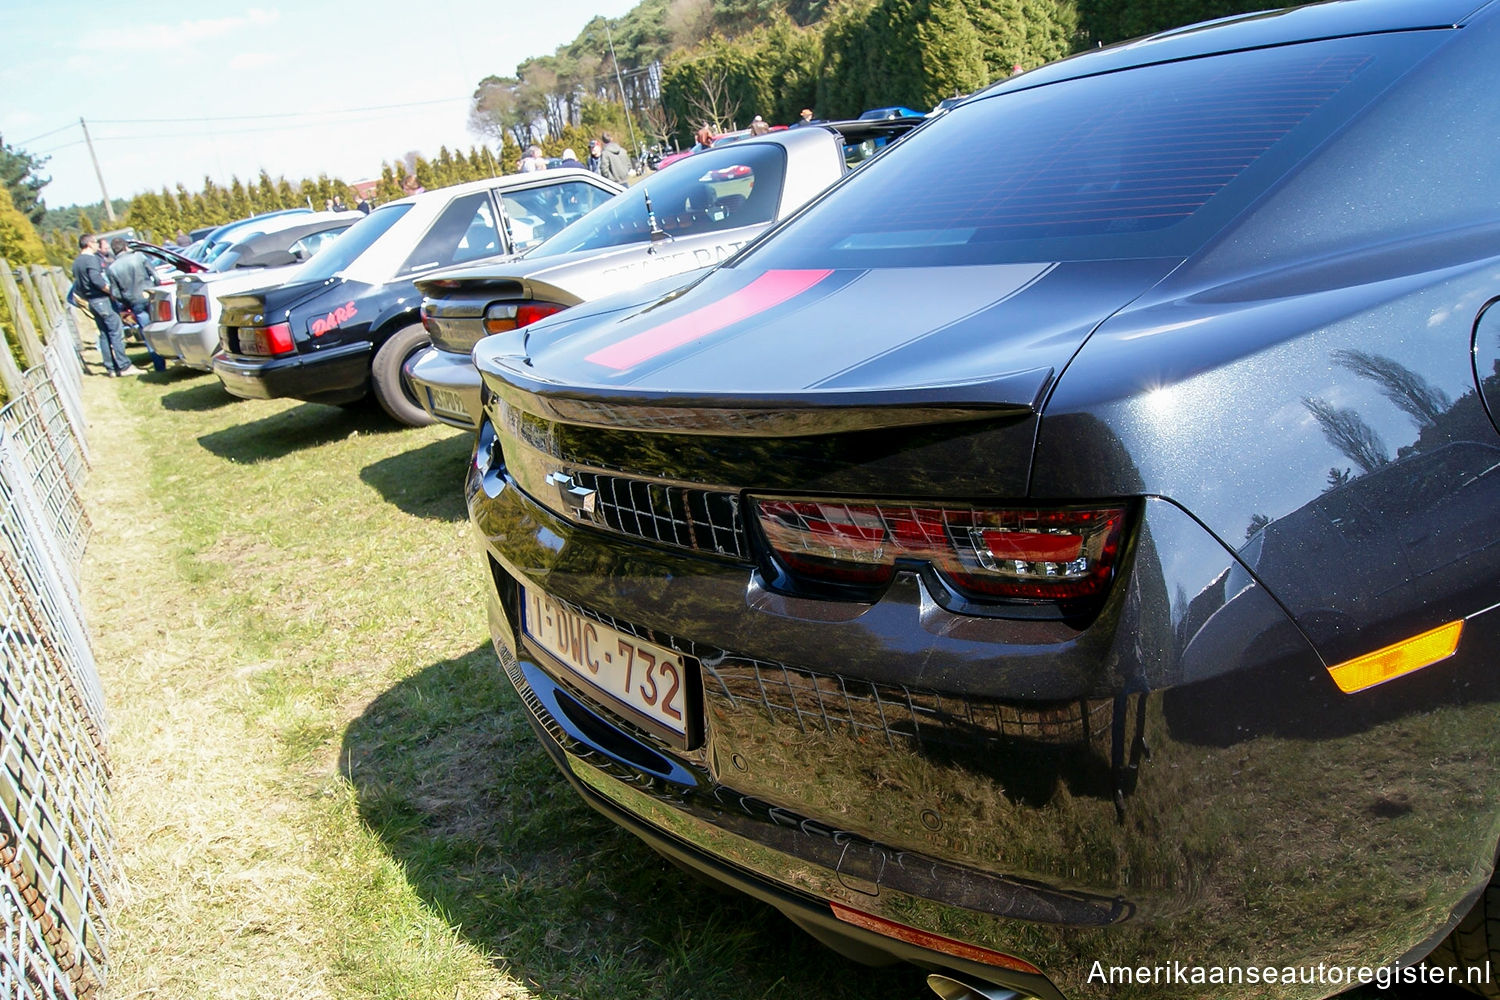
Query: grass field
{"type": "Point", "coordinates": [323, 785]}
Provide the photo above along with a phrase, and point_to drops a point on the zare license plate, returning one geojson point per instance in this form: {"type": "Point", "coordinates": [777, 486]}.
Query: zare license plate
{"type": "Point", "coordinates": [648, 679]}
{"type": "Point", "coordinates": [447, 401]}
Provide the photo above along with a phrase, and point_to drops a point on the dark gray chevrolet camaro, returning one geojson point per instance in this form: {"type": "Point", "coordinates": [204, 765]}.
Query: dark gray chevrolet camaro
{"type": "Point", "coordinates": [1075, 556]}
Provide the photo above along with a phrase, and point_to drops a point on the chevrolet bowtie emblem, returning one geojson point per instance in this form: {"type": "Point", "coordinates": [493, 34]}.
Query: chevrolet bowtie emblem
{"type": "Point", "coordinates": [574, 497]}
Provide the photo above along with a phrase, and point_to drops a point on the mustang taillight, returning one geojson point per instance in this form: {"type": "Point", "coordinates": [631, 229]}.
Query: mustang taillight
{"type": "Point", "coordinates": [161, 310]}
{"type": "Point", "coordinates": [503, 316]}
{"type": "Point", "coordinates": [197, 308]}
{"type": "Point", "coordinates": [266, 340]}
{"type": "Point", "coordinates": [1026, 553]}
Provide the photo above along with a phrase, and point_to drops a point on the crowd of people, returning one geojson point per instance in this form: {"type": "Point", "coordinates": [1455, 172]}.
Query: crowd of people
{"type": "Point", "coordinates": [110, 281]}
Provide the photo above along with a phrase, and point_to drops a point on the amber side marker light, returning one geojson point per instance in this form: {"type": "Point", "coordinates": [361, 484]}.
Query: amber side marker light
{"type": "Point", "coordinates": [1397, 659]}
{"type": "Point", "coordinates": [932, 942]}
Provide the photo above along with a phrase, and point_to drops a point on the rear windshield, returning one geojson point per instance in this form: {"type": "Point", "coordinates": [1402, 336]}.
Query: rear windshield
{"type": "Point", "coordinates": [354, 241]}
{"type": "Point", "coordinates": [1143, 163]}
{"type": "Point", "coordinates": [737, 185]}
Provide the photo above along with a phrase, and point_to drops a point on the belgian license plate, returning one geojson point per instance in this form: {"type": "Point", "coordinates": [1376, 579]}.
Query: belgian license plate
{"type": "Point", "coordinates": [447, 401]}
{"type": "Point", "coordinates": [648, 679]}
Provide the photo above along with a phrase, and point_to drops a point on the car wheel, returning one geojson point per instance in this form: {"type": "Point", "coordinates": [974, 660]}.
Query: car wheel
{"type": "Point", "coordinates": [1474, 942]}
{"type": "Point", "coordinates": [392, 390]}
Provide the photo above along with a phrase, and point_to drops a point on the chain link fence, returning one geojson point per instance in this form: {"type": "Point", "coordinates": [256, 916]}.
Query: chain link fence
{"type": "Point", "coordinates": [55, 841]}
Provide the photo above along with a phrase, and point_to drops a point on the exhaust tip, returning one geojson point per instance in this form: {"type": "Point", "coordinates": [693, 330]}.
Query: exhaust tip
{"type": "Point", "coordinates": [949, 988]}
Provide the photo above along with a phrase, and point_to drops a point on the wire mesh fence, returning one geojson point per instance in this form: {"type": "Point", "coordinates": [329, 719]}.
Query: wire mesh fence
{"type": "Point", "coordinates": [55, 841]}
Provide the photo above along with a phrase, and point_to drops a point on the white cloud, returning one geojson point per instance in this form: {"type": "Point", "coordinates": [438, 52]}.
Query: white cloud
{"type": "Point", "coordinates": [165, 38]}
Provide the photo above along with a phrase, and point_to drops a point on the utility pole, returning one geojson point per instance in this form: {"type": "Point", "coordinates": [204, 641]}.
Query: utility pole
{"type": "Point", "coordinates": [109, 210]}
{"type": "Point", "coordinates": [628, 124]}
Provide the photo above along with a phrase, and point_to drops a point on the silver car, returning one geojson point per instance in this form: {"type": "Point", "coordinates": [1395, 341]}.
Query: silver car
{"type": "Point", "coordinates": [692, 215]}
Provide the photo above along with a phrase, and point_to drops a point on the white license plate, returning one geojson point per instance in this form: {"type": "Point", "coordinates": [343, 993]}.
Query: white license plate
{"type": "Point", "coordinates": [447, 401]}
{"type": "Point", "coordinates": [650, 680]}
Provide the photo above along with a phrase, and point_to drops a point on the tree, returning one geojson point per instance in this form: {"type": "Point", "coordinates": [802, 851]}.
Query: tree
{"type": "Point", "coordinates": [1347, 431]}
{"type": "Point", "coordinates": [1424, 402]}
{"type": "Point", "coordinates": [20, 174]}
{"type": "Point", "coordinates": [1103, 22]}
{"type": "Point", "coordinates": [19, 241]}
{"type": "Point", "coordinates": [493, 112]}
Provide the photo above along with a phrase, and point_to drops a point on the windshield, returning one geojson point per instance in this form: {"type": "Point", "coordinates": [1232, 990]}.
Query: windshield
{"type": "Point", "coordinates": [354, 241]}
{"type": "Point", "coordinates": [1149, 163]}
{"type": "Point", "coordinates": [738, 185]}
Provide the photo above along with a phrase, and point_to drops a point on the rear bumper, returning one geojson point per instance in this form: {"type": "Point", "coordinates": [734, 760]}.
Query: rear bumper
{"type": "Point", "coordinates": [159, 340]}
{"type": "Point", "coordinates": [194, 345]}
{"type": "Point", "coordinates": [447, 386]}
{"type": "Point", "coordinates": [1206, 801]}
{"type": "Point", "coordinates": [334, 375]}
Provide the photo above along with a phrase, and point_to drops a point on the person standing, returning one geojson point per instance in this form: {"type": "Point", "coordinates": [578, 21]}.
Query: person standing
{"type": "Point", "coordinates": [596, 151]}
{"type": "Point", "coordinates": [570, 159]}
{"type": "Point", "coordinates": [129, 276]}
{"type": "Point", "coordinates": [92, 285]}
{"type": "Point", "coordinates": [532, 161]}
{"type": "Point", "coordinates": [614, 162]}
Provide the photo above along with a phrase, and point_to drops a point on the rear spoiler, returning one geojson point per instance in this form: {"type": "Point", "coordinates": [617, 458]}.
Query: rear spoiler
{"type": "Point", "coordinates": [1013, 395]}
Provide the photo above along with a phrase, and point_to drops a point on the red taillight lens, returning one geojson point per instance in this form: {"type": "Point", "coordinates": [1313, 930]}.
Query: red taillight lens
{"type": "Point", "coordinates": [503, 316]}
{"type": "Point", "coordinates": [267, 340]}
{"type": "Point", "coordinates": [197, 308]}
{"type": "Point", "coordinates": [161, 310]}
{"type": "Point", "coordinates": [1039, 554]}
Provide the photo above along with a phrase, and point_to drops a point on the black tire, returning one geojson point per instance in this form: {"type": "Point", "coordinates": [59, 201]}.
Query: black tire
{"type": "Point", "coordinates": [392, 391]}
{"type": "Point", "coordinates": [1474, 942]}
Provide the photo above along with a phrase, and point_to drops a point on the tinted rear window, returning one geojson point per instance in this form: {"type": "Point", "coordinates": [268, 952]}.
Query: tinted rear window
{"type": "Point", "coordinates": [1143, 163]}
{"type": "Point", "coordinates": [723, 188]}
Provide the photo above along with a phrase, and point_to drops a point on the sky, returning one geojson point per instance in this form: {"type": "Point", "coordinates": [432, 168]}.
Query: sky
{"type": "Point", "coordinates": [174, 92]}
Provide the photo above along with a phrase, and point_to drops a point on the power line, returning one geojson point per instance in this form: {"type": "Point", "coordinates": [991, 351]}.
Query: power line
{"type": "Point", "coordinates": [53, 149]}
{"type": "Point", "coordinates": [64, 128]}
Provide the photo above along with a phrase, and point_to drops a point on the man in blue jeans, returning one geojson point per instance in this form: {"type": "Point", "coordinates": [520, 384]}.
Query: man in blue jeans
{"type": "Point", "coordinates": [92, 285]}
{"type": "Point", "coordinates": [130, 275]}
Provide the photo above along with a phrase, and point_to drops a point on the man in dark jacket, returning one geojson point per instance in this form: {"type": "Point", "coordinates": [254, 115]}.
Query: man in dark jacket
{"type": "Point", "coordinates": [129, 276]}
{"type": "Point", "coordinates": [91, 284]}
{"type": "Point", "coordinates": [614, 162]}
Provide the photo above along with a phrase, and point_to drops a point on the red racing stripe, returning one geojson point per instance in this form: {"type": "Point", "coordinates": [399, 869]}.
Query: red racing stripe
{"type": "Point", "coordinates": [769, 290]}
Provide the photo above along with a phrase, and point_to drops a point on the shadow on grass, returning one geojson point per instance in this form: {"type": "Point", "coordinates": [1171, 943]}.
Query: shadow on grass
{"type": "Point", "coordinates": [289, 431]}
{"type": "Point", "coordinates": [205, 396]}
{"type": "Point", "coordinates": [426, 481]}
{"type": "Point", "coordinates": [451, 778]}
{"type": "Point", "coordinates": [173, 374]}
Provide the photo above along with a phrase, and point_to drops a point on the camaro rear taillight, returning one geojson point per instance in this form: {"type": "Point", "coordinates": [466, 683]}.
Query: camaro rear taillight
{"type": "Point", "coordinates": [503, 316]}
{"type": "Point", "coordinates": [1026, 553]}
{"type": "Point", "coordinates": [268, 340]}
{"type": "Point", "coordinates": [197, 308]}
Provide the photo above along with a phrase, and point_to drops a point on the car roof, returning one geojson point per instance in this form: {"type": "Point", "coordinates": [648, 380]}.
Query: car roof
{"type": "Point", "coordinates": [507, 182]}
{"type": "Point", "coordinates": [316, 223]}
{"type": "Point", "coordinates": [1342, 18]}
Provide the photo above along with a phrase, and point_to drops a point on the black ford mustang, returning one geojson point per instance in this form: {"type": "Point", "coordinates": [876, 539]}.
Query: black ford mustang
{"type": "Point", "coordinates": [1041, 564]}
